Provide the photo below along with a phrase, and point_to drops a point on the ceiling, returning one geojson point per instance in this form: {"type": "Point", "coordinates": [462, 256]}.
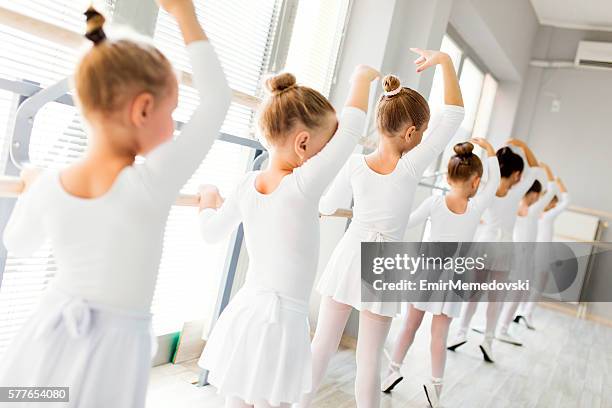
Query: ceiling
{"type": "Point", "coordinates": [577, 14]}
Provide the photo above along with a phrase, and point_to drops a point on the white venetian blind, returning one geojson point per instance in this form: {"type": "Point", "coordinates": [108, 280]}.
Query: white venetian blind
{"type": "Point", "coordinates": [315, 42]}
{"type": "Point", "coordinates": [242, 32]}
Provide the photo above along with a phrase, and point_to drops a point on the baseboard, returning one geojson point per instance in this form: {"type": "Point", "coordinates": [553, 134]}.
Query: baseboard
{"type": "Point", "coordinates": [574, 311]}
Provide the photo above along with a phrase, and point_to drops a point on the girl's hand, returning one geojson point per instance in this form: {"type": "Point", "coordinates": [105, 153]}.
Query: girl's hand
{"type": "Point", "coordinates": [175, 7]}
{"type": "Point", "coordinates": [364, 73]}
{"type": "Point", "coordinates": [429, 58]}
{"type": "Point", "coordinates": [210, 197]}
{"type": "Point", "coordinates": [484, 143]}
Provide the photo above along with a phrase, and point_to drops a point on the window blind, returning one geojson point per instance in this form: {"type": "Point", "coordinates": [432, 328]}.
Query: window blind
{"type": "Point", "coordinates": [242, 33]}
{"type": "Point", "coordinates": [315, 42]}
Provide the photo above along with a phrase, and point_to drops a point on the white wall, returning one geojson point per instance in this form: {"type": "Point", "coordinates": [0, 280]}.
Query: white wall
{"type": "Point", "coordinates": [576, 141]}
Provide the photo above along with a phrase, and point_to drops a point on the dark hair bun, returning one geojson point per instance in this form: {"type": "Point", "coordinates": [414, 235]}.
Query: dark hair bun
{"type": "Point", "coordinates": [464, 149]}
{"type": "Point", "coordinates": [509, 162]}
{"type": "Point", "coordinates": [281, 82]}
{"type": "Point", "coordinates": [390, 83]}
{"type": "Point", "coordinates": [95, 23]}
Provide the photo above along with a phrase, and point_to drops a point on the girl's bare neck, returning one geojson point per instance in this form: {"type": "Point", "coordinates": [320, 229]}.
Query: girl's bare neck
{"type": "Point", "coordinates": [457, 201]}
{"type": "Point", "coordinates": [384, 159]}
{"type": "Point", "coordinates": [267, 180]}
{"type": "Point", "coordinates": [94, 176]}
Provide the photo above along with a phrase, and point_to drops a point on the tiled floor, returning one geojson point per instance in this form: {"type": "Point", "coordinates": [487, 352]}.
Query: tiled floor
{"type": "Point", "coordinates": [566, 362]}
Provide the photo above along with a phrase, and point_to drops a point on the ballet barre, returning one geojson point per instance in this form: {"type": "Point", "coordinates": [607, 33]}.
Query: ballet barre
{"type": "Point", "coordinates": [12, 187]}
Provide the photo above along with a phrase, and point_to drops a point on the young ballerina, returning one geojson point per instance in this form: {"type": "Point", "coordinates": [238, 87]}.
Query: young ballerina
{"type": "Point", "coordinates": [105, 217]}
{"type": "Point", "coordinates": [544, 235]}
{"type": "Point", "coordinates": [525, 234]}
{"type": "Point", "coordinates": [382, 184]}
{"type": "Point", "coordinates": [258, 353]}
{"type": "Point", "coordinates": [454, 218]}
{"type": "Point", "coordinates": [499, 220]}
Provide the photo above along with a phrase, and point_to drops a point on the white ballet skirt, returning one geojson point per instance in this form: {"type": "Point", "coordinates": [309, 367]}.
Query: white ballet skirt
{"type": "Point", "coordinates": [261, 346]}
{"type": "Point", "coordinates": [341, 279]}
{"type": "Point", "coordinates": [69, 342]}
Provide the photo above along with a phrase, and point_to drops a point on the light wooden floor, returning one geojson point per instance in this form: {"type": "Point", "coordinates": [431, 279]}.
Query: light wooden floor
{"type": "Point", "coordinates": [566, 362]}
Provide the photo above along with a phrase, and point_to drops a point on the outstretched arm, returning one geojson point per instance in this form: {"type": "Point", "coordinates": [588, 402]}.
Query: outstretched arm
{"type": "Point", "coordinates": [314, 176]}
{"type": "Point", "coordinates": [422, 212]}
{"type": "Point", "coordinates": [442, 126]}
{"type": "Point", "coordinates": [170, 165]}
{"type": "Point", "coordinates": [25, 233]}
{"type": "Point", "coordinates": [218, 217]}
{"type": "Point", "coordinates": [485, 195]}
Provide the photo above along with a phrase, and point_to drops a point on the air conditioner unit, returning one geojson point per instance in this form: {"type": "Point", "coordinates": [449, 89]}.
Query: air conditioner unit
{"type": "Point", "coordinates": [594, 54]}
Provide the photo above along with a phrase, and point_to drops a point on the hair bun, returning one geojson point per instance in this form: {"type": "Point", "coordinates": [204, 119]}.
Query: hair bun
{"type": "Point", "coordinates": [391, 85]}
{"type": "Point", "coordinates": [281, 82]}
{"type": "Point", "coordinates": [464, 149]}
{"type": "Point", "coordinates": [95, 22]}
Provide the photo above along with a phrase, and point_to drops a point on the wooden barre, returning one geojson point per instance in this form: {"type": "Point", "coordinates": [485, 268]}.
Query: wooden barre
{"type": "Point", "coordinates": [11, 187]}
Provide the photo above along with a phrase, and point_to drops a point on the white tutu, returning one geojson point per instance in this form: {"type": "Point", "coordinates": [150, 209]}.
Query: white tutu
{"type": "Point", "coordinates": [259, 348]}
{"type": "Point", "coordinates": [103, 356]}
{"type": "Point", "coordinates": [341, 279]}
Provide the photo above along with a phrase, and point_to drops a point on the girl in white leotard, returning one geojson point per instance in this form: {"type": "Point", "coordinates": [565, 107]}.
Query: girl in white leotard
{"type": "Point", "coordinates": [105, 217]}
{"type": "Point", "coordinates": [545, 226]}
{"type": "Point", "coordinates": [525, 233]}
{"type": "Point", "coordinates": [382, 184]}
{"type": "Point", "coordinates": [454, 218]}
{"type": "Point", "coordinates": [499, 220]}
{"type": "Point", "coordinates": [258, 353]}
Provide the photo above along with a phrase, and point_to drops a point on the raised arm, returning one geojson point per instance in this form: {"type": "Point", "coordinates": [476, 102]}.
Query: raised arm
{"type": "Point", "coordinates": [168, 167]}
{"type": "Point", "coordinates": [422, 212]}
{"type": "Point", "coordinates": [486, 194]}
{"type": "Point", "coordinates": [25, 232]}
{"type": "Point", "coordinates": [564, 201]}
{"type": "Point", "coordinates": [538, 207]}
{"type": "Point", "coordinates": [218, 217]}
{"type": "Point", "coordinates": [315, 174]}
{"type": "Point", "coordinates": [531, 159]}
{"type": "Point", "coordinates": [338, 192]}
{"type": "Point", "coordinates": [443, 125]}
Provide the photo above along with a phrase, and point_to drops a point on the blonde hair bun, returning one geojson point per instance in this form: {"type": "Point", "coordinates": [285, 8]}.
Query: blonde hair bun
{"type": "Point", "coordinates": [391, 83]}
{"type": "Point", "coordinates": [281, 82]}
{"type": "Point", "coordinates": [464, 149]}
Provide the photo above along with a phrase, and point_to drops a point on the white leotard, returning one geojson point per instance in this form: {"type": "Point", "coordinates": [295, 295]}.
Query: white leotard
{"type": "Point", "coordinates": [382, 203]}
{"type": "Point", "coordinates": [282, 228]}
{"type": "Point", "coordinates": [526, 227]}
{"type": "Point", "coordinates": [500, 216]}
{"type": "Point", "coordinates": [381, 209]}
{"type": "Point", "coordinates": [547, 219]}
{"type": "Point", "coordinates": [108, 248]}
{"type": "Point", "coordinates": [447, 226]}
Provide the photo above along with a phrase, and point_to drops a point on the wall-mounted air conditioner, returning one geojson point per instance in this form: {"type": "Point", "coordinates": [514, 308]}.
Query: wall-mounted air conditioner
{"type": "Point", "coordinates": [594, 54]}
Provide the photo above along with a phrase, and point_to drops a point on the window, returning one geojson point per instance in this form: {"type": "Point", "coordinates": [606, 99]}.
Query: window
{"type": "Point", "coordinates": [478, 88]}
{"type": "Point", "coordinates": [315, 42]}
{"type": "Point", "coordinates": [244, 34]}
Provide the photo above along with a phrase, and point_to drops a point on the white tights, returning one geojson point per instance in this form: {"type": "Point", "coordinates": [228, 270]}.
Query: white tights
{"type": "Point", "coordinates": [493, 307]}
{"type": "Point", "coordinates": [233, 402]}
{"type": "Point", "coordinates": [373, 330]}
{"type": "Point", "coordinates": [439, 334]}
